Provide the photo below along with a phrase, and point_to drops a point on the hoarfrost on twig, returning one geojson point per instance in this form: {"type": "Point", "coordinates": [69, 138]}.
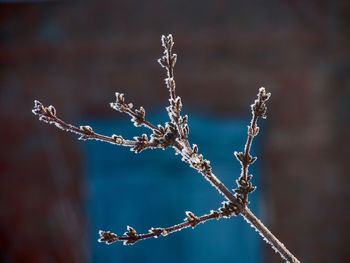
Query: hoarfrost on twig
{"type": "Point", "coordinates": [174, 134]}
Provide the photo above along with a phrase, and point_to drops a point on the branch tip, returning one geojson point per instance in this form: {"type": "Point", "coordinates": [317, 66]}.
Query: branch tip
{"type": "Point", "coordinates": [258, 110]}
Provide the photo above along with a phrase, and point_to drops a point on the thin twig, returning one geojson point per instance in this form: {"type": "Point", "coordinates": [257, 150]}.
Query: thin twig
{"type": "Point", "coordinates": [168, 61]}
{"type": "Point", "coordinates": [131, 237]}
{"type": "Point", "coordinates": [137, 116]}
{"type": "Point", "coordinates": [48, 115]}
{"type": "Point", "coordinates": [258, 110]}
{"type": "Point", "coordinates": [203, 166]}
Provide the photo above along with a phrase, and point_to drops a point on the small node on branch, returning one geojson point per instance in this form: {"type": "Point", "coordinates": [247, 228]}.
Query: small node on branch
{"type": "Point", "coordinates": [206, 167]}
{"type": "Point", "coordinates": [192, 219]}
{"type": "Point", "coordinates": [258, 107]}
{"type": "Point", "coordinates": [139, 118]}
{"type": "Point", "coordinates": [229, 209]}
{"type": "Point", "coordinates": [141, 143]}
{"type": "Point", "coordinates": [157, 231]}
{"type": "Point", "coordinates": [87, 129]}
{"type": "Point", "coordinates": [107, 237]}
{"type": "Point", "coordinates": [46, 114]}
{"type": "Point", "coordinates": [173, 60]}
{"type": "Point", "coordinates": [118, 139]}
{"type": "Point", "coordinates": [167, 42]}
{"type": "Point", "coordinates": [119, 104]}
{"type": "Point", "coordinates": [216, 214]}
{"type": "Point", "coordinates": [170, 83]}
{"type": "Point", "coordinates": [239, 156]}
{"type": "Point", "coordinates": [253, 131]}
{"type": "Point", "coordinates": [133, 237]}
{"type": "Point", "coordinates": [195, 148]}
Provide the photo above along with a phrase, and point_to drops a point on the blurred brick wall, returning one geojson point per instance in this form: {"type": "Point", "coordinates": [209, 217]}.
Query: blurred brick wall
{"type": "Point", "coordinates": [76, 55]}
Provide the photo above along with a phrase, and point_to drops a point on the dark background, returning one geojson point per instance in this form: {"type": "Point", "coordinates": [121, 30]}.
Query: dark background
{"type": "Point", "coordinates": [76, 54]}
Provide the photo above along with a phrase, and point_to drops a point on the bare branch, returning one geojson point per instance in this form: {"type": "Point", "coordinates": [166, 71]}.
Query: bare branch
{"type": "Point", "coordinates": [188, 154]}
{"type": "Point", "coordinates": [131, 237]}
{"type": "Point", "coordinates": [168, 61]}
{"type": "Point", "coordinates": [258, 110]}
{"type": "Point", "coordinates": [137, 116]}
{"type": "Point", "coordinates": [175, 134]}
{"type": "Point", "coordinates": [48, 115]}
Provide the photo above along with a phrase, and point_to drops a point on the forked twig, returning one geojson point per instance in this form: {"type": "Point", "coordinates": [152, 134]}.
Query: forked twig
{"type": "Point", "coordinates": [175, 134]}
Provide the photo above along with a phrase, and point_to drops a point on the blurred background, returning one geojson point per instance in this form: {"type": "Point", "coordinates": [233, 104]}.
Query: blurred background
{"type": "Point", "coordinates": [56, 192]}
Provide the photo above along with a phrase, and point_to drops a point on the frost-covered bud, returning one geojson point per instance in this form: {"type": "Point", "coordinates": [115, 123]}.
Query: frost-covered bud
{"type": "Point", "coordinates": [241, 181]}
{"type": "Point", "coordinates": [142, 143]}
{"type": "Point", "coordinates": [262, 111]}
{"type": "Point", "coordinates": [131, 232]}
{"type": "Point", "coordinates": [163, 40]}
{"type": "Point", "coordinates": [167, 42]}
{"type": "Point", "coordinates": [173, 60]}
{"type": "Point", "coordinates": [195, 161]}
{"type": "Point", "coordinates": [144, 138]}
{"type": "Point", "coordinates": [206, 166]}
{"type": "Point", "coordinates": [119, 97]}
{"type": "Point", "coordinates": [251, 159]}
{"type": "Point", "coordinates": [161, 128]}
{"type": "Point", "coordinates": [178, 104]}
{"type": "Point", "coordinates": [253, 131]}
{"type": "Point", "coordinates": [195, 148]}
{"type": "Point", "coordinates": [239, 156]}
{"type": "Point", "coordinates": [133, 237]}
{"type": "Point", "coordinates": [51, 110]}
{"type": "Point", "coordinates": [157, 231]}
{"type": "Point", "coordinates": [263, 95]}
{"type": "Point", "coordinates": [163, 61]}
{"type": "Point", "coordinates": [108, 237]}
{"type": "Point", "coordinates": [186, 130]}
{"type": "Point", "coordinates": [170, 83]}
{"type": "Point", "coordinates": [38, 108]}
{"type": "Point", "coordinates": [117, 139]}
{"type": "Point", "coordinates": [184, 119]}
{"type": "Point", "coordinates": [86, 128]}
{"type": "Point", "coordinates": [160, 132]}
{"type": "Point", "coordinates": [141, 112]}
{"type": "Point", "coordinates": [192, 219]}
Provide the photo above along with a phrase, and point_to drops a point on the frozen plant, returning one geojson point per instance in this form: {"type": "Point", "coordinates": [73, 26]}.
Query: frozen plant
{"type": "Point", "coordinates": [174, 133]}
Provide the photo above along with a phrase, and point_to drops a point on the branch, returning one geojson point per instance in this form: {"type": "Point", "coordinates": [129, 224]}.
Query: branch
{"type": "Point", "coordinates": [137, 116]}
{"type": "Point", "coordinates": [168, 61]}
{"type": "Point", "coordinates": [162, 136]}
{"type": "Point", "coordinates": [48, 115]}
{"type": "Point", "coordinates": [131, 237]}
{"type": "Point", "coordinates": [258, 110]}
{"type": "Point", "coordinates": [175, 134]}
{"type": "Point", "coordinates": [189, 154]}
{"type": "Point", "coordinates": [196, 161]}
